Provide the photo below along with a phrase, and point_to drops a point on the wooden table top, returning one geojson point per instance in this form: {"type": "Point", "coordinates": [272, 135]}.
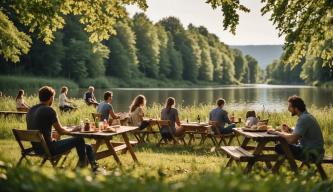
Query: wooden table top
{"type": "Point", "coordinates": [256, 135]}
{"type": "Point", "coordinates": [105, 135]}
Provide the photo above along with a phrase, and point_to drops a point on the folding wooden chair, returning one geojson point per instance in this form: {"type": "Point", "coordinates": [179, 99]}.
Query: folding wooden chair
{"type": "Point", "coordinates": [216, 134]}
{"type": "Point", "coordinates": [174, 138]}
{"type": "Point", "coordinates": [36, 136]}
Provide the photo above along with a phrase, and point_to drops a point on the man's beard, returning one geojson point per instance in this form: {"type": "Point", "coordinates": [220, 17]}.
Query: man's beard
{"type": "Point", "coordinates": [293, 113]}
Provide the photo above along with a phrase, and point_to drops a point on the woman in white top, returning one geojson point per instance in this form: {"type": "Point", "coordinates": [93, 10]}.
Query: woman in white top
{"type": "Point", "coordinates": [251, 118]}
{"type": "Point", "coordinates": [137, 109]}
{"type": "Point", "coordinates": [20, 104]}
{"type": "Point", "coordinates": [64, 104]}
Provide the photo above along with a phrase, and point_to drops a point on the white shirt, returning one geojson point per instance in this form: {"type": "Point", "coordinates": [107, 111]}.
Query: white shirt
{"type": "Point", "coordinates": [251, 121]}
{"type": "Point", "coordinates": [62, 100]}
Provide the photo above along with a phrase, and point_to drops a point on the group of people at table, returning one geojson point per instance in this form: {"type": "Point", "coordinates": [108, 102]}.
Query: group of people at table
{"type": "Point", "coordinates": [305, 140]}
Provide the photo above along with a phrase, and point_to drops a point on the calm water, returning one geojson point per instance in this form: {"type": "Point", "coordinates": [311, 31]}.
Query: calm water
{"type": "Point", "coordinates": [272, 97]}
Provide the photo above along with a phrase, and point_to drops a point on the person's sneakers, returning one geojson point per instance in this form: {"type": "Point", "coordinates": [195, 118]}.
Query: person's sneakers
{"type": "Point", "coordinates": [94, 166]}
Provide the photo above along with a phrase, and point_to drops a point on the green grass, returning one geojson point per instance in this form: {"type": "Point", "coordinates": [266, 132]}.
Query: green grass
{"type": "Point", "coordinates": [25, 82]}
{"type": "Point", "coordinates": [166, 168]}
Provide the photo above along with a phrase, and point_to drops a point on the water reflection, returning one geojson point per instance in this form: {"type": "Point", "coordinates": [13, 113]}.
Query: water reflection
{"type": "Point", "coordinates": [248, 96]}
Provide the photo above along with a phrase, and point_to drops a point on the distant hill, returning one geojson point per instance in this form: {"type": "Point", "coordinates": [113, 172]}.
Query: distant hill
{"type": "Point", "coordinates": [264, 54]}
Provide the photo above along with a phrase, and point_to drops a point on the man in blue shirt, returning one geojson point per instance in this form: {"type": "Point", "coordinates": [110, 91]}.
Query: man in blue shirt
{"type": "Point", "coordinates": [306, 139]}
{"type": "Point", "coordinates": [221, 116]}
{"type": "Point", "coordinates": [105, 108]}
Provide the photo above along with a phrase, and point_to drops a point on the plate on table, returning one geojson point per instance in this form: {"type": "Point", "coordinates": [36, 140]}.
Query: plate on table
{"type": "Point", "coordinates": [253, 130]}
{"type": "Point", "coordinates": [88, 131]}
{"type": "Point", "coordinates": [109, 131]}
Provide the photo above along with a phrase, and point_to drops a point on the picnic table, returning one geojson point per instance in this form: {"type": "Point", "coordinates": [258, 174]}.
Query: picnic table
{"type": "Point", "coordinates": [112, 147]}
{"type": "Point", "coordinates": [143, 135]}
{"type": "Point", "coordinates": [195, 128]}
{"type": "Point", "coordinates": [6, 113]}
{"type": "Point", "coordinates": [253, 154]}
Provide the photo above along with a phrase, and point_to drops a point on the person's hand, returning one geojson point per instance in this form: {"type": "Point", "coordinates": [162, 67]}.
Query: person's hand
{"type": "Point", "coordinates": [285, 128]}
{"type": "Point", "coordinates": [74, 128]}
{"type": "Point", "coordinates": [55, 136]}
{"type": "Point", "coordinates": [272, 131]}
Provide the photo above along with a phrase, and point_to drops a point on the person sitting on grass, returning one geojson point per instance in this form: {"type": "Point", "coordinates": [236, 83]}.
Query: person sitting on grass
{"type": "Point", "coordinates": [89, 97]}
{"type": "Point", "coordinates": [221, 117]}
{"type": "Point", "coordinates": [137, 112]}
{"type": "Point", "coordinates": [20, 104]}
{"type": "Point", "coordinates": [251, 118]}
{"type": "Point", "coordinates": [306, 140]}
{"type": "Point", "coordinates": [105, 108]}
{"type": "Point", "coordinates": [170, 113]}
{"type": "Point", "coordinates": [64, 103]}
{"type": "Point", "coordinates": [42, 117]}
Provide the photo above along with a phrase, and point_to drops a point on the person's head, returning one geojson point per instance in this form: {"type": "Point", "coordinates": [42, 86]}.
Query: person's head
{"type": "Point", "coordinates": [91, 89]}
{"type": "Point", "coordinates": [20, 94]}
{"type": "Point", "coordinates": [64, 89]}
{"type": "Point", "coordinates": [108, 96]}
{"type": "Point", "coordinates": [46, 95]}
{"type": "Point", "coordinates": [296, 105]}
{"type": "Point", "coordinates": [170, 102]}
{"type": "Point", "coordinates": [220, 102]}
{"type": "Point", "coordinates": [138, 101]}
{"type": "Point", "coordinates": [250, 114]}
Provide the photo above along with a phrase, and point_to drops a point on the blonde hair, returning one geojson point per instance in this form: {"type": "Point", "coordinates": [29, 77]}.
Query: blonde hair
{"type": "Point", "coordinates": [137, 102]}
{"type": "Point", "coordinates": [64, 89]}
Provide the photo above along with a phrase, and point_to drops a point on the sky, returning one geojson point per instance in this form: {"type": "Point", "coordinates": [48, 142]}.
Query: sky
{"type": "Point", "coordinates": [253, 29]}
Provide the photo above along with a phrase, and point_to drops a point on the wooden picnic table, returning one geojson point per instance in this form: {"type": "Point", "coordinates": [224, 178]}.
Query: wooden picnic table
{"type": "Point", "coordinates": [6, 113]}
{"type": "Point", "coordinates": [195, 128]}
{"type": "Point", "coordinates": [112, 147]}
{"type": "Point", "coordinates": [143, 135]}
{"type": "Point", "coordinates": [261, 139]}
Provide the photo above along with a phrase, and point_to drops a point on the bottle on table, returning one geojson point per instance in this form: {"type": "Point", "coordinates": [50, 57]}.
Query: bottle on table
{"type": "Point", "coordinates": [105, 124]}
{"type": "Point", "coordinates": [198, 118]}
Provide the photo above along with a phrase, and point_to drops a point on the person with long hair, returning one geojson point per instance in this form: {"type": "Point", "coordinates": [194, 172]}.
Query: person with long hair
{"type": "Point", "coordinates": [20, 104]}
{"type": "Point", "coordinates": [169, 112]}
{"type": "Point", "coordinates": [137, 109]}
{"type": "Point", "coordinates": [64, 103]}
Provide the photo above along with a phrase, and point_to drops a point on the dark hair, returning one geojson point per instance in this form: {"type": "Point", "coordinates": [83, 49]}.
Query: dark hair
{"type": "Point", "coordinates": [19, 94]}
{"type": "Point", "coordinates": [169, 102]}
{"type": "Point", "coordinates": [297, 102]}
{"type": "Point", "coordinates": [137, 102]}
{"type": "Point", "coordinates": [107, 95]}
{"type": "Point", "coordinates": [220, 102]}
{"type": "Point", "coordinates": [64, 89]}
{"type": "Point", "coordinates": [45, 93]}
{"type": "Point", "coordinates": [250, 114]}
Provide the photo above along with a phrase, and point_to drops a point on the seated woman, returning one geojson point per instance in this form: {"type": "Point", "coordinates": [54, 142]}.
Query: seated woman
{"type": "Point", "coordinates": [137, 112]}
{"type": "Point", "coordinates": [20, 104]}
{"type": "Point", "coordinates": [64, 104]}
{"type": "Point", "coordinates": [251, 118]}
{"type": "Point", "coordinates": [170, 113]}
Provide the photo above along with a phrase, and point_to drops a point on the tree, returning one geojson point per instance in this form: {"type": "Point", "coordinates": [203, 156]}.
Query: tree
{"type": "Point", "coordinates": [164, 60]}
{"type": "Point", "coordinates": [253, 69]}
{"type": "Point", "coordinates": [240, 65]}
{"type": "Point", "coordinates": [206, 67]}
{"type": "Point", "coordinates": [147, 44]}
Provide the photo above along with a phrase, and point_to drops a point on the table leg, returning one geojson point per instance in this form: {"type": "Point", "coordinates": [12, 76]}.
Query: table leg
{"type": "Point", "coordinates": [245, 142]}
{"type": "Point", "coordinates": [114, 153]}
{"type": "Point", "coordinates": [289, 155]}
{"type": "Point", "coordinates": [257, 151]}
{"type": "Point", "coordinates": [278, 164]}
{"type": "Point", "coordinates": [129, 147]}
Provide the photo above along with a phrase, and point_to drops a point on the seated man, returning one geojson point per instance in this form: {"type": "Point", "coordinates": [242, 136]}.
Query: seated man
{"type": "Point", "coordinates": [89, 97]}
{"type": "Point", "coordinates": [221, 116]}
{"type": "Point", "coordinates": [105, 108]}
{"type": "Point", "coordinates": [42, 117]}
{"type": "Point", "coordinates": [306, 140]}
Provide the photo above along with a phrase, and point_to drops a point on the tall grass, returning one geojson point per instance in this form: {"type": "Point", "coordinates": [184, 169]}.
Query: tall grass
{"type": "Point", "coordinates": [25, 82]}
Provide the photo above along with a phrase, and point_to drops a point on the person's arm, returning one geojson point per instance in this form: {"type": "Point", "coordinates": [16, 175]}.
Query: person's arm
{"type": "Point", "coordinates": [177, 119]}
{"type": "Point", "coordinates": [291, 138]}
{"type": "Point", "coordinates": [226, 118]}
{"type": "Point", "coordinates": [113, 115]}
{"type": "Point", "coordinates": [61, 130]}
{"type": "Point", "coordinates": [141, 114]}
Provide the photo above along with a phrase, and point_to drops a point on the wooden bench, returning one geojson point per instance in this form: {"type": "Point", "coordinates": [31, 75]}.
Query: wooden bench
{"type": "Point", "coordinates": [216, 134]}
{"type": "Point", "coordinates": [17, 113]}
{"type": "Point", "coordinates": [237, 153]}
{"type": "Point", "coordinates": [319, 168]}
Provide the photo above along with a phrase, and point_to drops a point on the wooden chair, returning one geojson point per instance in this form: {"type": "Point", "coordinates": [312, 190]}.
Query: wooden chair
{"type": "Point", "coordinates": [216, 134]}
{"type": "Point", "coordinates": [35, 136]}
{"type": "Point", "coordinates": [96, 116]}
{"type": "Point", "coordinates": [174, 138]}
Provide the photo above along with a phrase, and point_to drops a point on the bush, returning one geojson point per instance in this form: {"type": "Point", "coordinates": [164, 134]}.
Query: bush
{"type": "Point", "coordinates": [100, 82]}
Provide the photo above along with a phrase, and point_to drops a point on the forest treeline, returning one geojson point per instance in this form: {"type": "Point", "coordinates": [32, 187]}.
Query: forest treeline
{"type": "Point", "coordinates": [165, 50]}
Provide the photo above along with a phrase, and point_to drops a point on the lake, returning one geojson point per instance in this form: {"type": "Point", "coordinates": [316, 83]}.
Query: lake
{"type": "Point", "coordinates": [257, 97]}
